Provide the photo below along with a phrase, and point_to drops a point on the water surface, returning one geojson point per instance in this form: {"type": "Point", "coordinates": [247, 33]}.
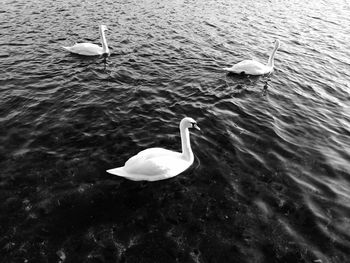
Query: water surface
{"type": "Point", "coordinates": [270, 181]}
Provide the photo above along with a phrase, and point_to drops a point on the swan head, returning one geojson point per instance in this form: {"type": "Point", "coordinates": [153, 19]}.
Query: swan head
{"type": "Point", "coordinates": [103, 28]}
{"type": "Point", "coordinates": [277, 44]}
{"type": "Point", "coordinates": [187, 123]}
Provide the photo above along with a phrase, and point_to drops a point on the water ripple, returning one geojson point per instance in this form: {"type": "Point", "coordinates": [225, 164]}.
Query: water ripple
{"type": "Point", "coordinates": [270, 181]}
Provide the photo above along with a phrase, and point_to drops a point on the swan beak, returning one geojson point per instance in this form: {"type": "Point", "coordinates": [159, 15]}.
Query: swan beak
{"type": "Point", "coordinates": [196, 126]}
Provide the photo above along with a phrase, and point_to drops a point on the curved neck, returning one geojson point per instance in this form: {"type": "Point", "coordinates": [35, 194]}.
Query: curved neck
{"type": "Point", "coordinates": [186, 145]}
{"type": "Point", "coordinates": [270, 63]}
{"type": "Point", "coordinates": [104, 42]}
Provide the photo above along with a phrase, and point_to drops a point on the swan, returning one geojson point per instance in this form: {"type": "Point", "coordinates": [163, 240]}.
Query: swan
{"type": "Point", "coordinates": [89, 49]}
{"type": "Point", "coordinates": [154, 164]}
{"type": "Point", "coordinates": [252, 67]}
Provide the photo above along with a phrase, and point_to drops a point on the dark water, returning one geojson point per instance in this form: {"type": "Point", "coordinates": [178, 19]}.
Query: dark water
{"type": "Point", "coordinates": [270, 181]}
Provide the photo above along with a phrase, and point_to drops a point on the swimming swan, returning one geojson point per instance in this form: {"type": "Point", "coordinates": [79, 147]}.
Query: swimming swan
{"type": "Point", "coordinates": [252, 67]}
{"type": "Point", "coordinates": [88, 49]}
{"type": "Point", "coordinates": [155, 164]}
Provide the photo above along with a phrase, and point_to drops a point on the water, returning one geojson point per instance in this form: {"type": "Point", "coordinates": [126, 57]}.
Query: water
{"type": "Point", "coordinates": [270, 181]}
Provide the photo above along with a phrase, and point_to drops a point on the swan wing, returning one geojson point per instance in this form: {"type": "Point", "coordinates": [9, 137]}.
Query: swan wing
{"type": "Point", "coordinates": [151, 165]}
{"type": "Point", "coordinates": [156, 168]}
{"type": "Point", "coordinates": [153, 170]}
{"type": "Point", "coordinates": [250, 67]}
{"type": "Point", "coordinates": [85, 49]}
{"type": "Point", "coordinates": [150, 161]}
{"type": "Point", "coordinates": [148, 154]}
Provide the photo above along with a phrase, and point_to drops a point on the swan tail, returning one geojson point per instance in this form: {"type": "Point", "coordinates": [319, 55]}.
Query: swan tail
{"type": "Point", "coordinates": [67, 48]}
{"type": "Point", "coordinates": [118, 171]}
{"type": "Point", "coordinates": [227, 69]}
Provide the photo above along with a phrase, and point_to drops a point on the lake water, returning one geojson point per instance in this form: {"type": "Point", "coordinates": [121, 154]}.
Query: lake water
{"type": "Point", "coordinates": [271, 176]}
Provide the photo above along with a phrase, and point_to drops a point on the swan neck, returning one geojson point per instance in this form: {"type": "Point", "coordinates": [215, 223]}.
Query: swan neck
{"type": "Point", "coordinates": [270, 63]}
{"type": "Point", "coordinates": [104, 42]}
{"type": "Point", "coordinates": [186, 145]}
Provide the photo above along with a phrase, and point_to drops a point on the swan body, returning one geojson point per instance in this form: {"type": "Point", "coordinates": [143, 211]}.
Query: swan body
{"type": "Point", "coordinates": [156, 164]}
{"type": "Point", "coordinates": [89, 49]}
{"type": "Point", "coordinates": [252, 67]}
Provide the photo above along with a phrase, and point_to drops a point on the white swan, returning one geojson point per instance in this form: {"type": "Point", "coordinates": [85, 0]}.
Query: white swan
{"type": "Point", "coordinates": [89, 49]}
{"type": "Point", "coordinates": [252, 67]}
{"type": "Point", "coordinates": [155, 164]}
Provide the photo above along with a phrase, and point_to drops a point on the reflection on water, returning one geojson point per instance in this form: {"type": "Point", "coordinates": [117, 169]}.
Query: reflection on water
{"type": "Point", "coordinates": [270, 181]}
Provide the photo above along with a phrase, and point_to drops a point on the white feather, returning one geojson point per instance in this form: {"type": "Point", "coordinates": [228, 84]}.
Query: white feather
{"type": "Point", "coordinates": [155, 164]}
{"type": "Point", "coordinates": [252, 67]}
{"type": "Point", "coordinates": [89, 49]}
